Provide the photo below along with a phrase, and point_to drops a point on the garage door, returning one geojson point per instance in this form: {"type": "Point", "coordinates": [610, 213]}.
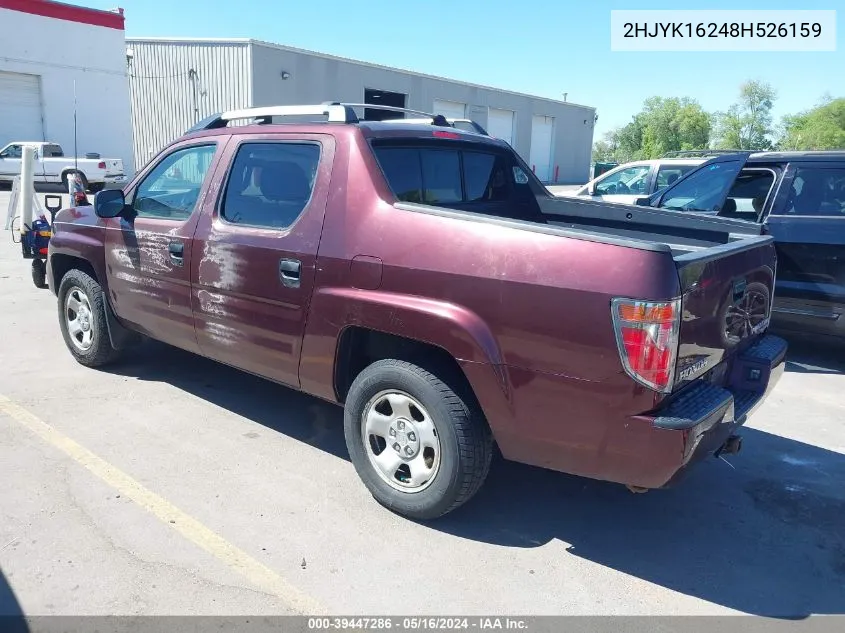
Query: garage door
{"type": "Point", "coordinates": [450, 109]}
{"type": "Point", "coordinates": [542, 130]}
{"type": "Point", "coordinates": [20, 108]}
{"type": "Point", "coordinates": [500, 124]}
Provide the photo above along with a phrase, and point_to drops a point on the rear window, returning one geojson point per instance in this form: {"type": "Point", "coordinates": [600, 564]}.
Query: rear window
{"type": "Point", "coordinates": [447, 176]}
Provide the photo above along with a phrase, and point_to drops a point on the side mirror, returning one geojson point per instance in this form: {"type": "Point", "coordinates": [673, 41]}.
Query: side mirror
{"type": "Point", "coordinates": [109, 203]}
{"type": "Point", "coordinates": [591, 189]}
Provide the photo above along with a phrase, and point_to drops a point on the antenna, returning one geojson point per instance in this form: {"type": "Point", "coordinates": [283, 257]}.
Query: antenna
{"type": "Point", "coordinates": [75, 152]}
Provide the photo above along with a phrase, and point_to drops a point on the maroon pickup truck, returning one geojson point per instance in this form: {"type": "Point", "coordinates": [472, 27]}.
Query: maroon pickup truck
{"type": "Point", "coordinates": [422, 277]}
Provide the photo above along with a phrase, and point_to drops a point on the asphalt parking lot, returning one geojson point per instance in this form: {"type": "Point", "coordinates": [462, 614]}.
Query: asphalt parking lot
{"type": "Point", "coordinates": [173, 485]}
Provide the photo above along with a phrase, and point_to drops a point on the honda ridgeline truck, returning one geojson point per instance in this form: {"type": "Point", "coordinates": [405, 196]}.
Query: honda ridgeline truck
{"type": "Point", "coordinates": [422, 278]}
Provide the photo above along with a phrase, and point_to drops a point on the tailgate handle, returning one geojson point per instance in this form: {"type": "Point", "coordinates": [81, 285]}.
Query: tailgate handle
{"type": "Point", "coordinates": [289, 272]}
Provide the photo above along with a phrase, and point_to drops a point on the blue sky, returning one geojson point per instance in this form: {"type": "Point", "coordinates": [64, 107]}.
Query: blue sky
{"type": "Point", "coordinates": [543, 47]}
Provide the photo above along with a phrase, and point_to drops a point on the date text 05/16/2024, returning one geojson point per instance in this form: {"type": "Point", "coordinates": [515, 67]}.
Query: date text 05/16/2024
{"type": "Point", "coordinates": [424, 623]}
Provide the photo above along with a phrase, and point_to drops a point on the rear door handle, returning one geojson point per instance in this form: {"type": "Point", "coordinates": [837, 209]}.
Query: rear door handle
{"type": "Point", "coordinates": [289, 272]}
{"type": "Point", "coordinates": [176, 250]}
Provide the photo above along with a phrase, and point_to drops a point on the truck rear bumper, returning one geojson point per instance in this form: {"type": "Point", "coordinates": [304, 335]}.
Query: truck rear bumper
{"type": "Point", "coordinates": [115, 179]}
{"type": "Point", "coordinates": [706, 414]}
{"type": "Point", "coordinates": [651, 450]}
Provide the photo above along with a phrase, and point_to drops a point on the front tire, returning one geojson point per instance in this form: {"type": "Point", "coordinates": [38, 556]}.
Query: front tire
{"type": "Point", "coordinates": [82, 319]}
{"type": "Point", "coordinates": [420, 449]}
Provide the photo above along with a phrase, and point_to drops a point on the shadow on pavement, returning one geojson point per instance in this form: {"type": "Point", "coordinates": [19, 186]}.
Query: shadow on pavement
{"type": "Point", "coordinates": [285, 410]}
{"type": "Point", "coordinates": [811, 356]}
{"type": "Point", "coordinates": [11, 615]}
{"type": "Point", "coordinates": [765, 537]}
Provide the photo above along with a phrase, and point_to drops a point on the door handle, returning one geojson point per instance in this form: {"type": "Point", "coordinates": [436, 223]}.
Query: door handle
{"type": "Point", "coordinates": [176, 250]}
{"type": "Point", "coordinates": [289, 272]}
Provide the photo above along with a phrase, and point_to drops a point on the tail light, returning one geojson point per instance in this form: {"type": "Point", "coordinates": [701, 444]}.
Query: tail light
{"type": "Point", "coordinates": [647, 338]}
{"type": "Point", "coordinates": [101, 164]}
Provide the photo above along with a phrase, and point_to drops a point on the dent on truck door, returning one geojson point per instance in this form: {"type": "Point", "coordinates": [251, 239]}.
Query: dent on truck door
{"type": "Point", "coordinates": [809, 230]}
{"type": "Point", "coordinates": [148, 254]}
{"type": "Point", "coordinates": [255, 256]}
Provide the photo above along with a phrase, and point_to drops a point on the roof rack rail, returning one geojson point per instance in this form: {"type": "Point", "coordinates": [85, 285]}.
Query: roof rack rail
{"type": "Point", "coordinates": [693, 153]}
{"type": "Point", "coordinates": [334, 111]}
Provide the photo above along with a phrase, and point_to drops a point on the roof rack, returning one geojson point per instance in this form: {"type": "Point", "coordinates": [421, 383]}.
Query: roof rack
{"type": "Point", "coordinates": [694, 153]}
{"type": "Point", "coordinates": [334, 111]}
{"type": "Point", "coordinates": [446, 122]}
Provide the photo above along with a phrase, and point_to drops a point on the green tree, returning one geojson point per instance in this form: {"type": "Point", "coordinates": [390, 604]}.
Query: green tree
{"type": "Point", "coordinates": [663, 125]}
{"type": "Point", "coordinates": [672, 124]}
{"type": "Point", "coordinates": [747, 124]}
{"type": "Point", "coordinates": [605, 149]}
{"type": "Point", "coordinates": [819, 128]}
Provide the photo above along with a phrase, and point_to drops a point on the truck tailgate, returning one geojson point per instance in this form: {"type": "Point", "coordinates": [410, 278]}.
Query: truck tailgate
{"type": "Point", "coordinates": [114, 166]}
{"type": "Point", "coordinates": [726, 303]}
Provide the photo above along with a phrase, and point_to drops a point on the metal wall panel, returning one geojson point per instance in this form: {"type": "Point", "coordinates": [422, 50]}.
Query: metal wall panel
{"type": "Point", "coordinates": [242, 73]}
{"type": "Point", "coordinates": [174, 84]}
{"type": "Point", "coordinates": [285, 76]}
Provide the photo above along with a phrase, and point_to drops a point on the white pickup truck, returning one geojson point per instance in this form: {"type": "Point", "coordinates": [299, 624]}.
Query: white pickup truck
{"type": "Point", "coordinates": [52, 166]}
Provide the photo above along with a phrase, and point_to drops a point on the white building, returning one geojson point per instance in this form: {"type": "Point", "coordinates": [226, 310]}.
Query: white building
{"type": "Point", "coordinates": [176, 82]}
{"type": "Point", "coordinates": [44, 48]}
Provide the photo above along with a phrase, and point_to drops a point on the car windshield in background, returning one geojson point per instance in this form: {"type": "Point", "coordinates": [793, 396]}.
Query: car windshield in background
{"type": "Point", "coordinates": [631, 180]}
{"type": "Point", "coordinates": [704, 190]}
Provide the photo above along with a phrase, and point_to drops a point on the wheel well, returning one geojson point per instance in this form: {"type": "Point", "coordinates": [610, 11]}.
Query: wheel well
{"type": "Point", "coordinates": [61, 264]}
{"type": "Point", "coordinates": [360, 347]}
{"type": "Point", "coordinates": [81, 173]}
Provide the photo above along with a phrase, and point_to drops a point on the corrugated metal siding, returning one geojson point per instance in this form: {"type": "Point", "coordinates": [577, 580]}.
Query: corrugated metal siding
{"type": "Point", "coordinates": [162, 88]}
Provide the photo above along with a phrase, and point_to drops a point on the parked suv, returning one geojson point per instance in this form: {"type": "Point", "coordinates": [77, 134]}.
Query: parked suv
{"type": "Point", "coordinates": [628, 182]}
{"type": "Point", "coordinates": [799, 199]}
{"type": "Point", "coordinates": [413, 275]}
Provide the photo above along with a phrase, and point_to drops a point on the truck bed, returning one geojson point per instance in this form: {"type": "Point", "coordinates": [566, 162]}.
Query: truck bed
{"type": "Point", "coordinates": [644, 227]}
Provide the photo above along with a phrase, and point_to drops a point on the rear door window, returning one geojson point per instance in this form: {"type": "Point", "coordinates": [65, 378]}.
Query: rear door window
{"type": "Point", "coordinates": [668, 174]}
{"type": "Point", "coordinates": [270, 183]}
{"type": "Point", "coordinates": [817, 191]}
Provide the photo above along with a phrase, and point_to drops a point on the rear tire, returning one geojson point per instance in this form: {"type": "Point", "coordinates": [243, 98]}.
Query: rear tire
{"type": "Point", "coordinates": [39, 273]}
{"type": "Point", "coordinates": [437, 430]}
{"type": "Point", "coordinates": [82, 319]}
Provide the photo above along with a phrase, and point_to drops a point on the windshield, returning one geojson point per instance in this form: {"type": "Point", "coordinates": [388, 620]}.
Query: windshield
{"type": "Point", "coordinates": [631, 180]}
{"type": "Point", "coordinates": [704, 190]}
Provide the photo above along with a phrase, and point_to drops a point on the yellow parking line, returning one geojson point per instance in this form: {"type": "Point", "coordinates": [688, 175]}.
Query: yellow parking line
{"type": "Point", "coordinates": [259, 575]}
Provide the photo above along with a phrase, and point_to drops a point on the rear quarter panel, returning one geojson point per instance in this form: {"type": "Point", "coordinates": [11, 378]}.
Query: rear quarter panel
{"type": "Point", "coordinates": [526, 314]}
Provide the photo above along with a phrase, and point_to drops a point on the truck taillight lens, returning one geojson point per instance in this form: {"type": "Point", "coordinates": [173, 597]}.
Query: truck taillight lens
{"type": "Point", "coordinates": [101, 164]}
{"type": "Point", "coordinates": [647, 338]}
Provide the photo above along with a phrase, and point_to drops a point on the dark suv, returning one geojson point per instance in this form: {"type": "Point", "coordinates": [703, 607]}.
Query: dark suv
{"type": "Point", "coordinates": [799, 199]}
